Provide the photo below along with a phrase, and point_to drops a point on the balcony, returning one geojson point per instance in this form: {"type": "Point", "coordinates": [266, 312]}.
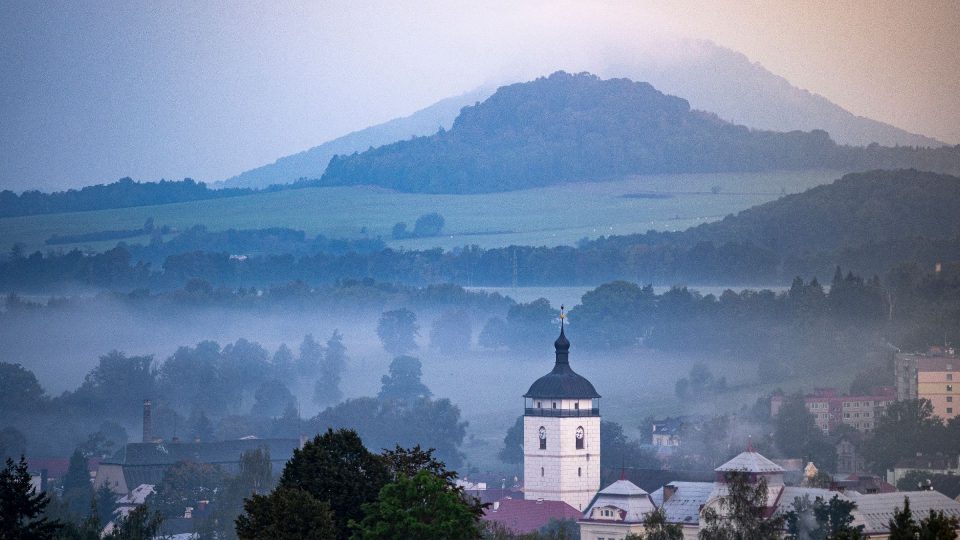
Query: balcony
{"type": "Point", "coordinates": [561, 413]}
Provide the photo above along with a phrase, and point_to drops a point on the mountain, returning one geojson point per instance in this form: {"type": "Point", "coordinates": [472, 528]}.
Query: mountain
{"type": "Point", "coordinates": [720, 80]}
{"type": "Point", "coordinates": [710, 77]}
{"type": "Point", "coordinates": [579, 127]}
{"type": "Point", "coordinates": [313, 162]}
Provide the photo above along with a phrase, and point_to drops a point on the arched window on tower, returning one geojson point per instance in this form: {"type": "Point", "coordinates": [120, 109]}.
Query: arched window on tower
{"type": "Point", "coordinates": [579, 436]}
{"type": "Point", "coordinates": [542, 432]}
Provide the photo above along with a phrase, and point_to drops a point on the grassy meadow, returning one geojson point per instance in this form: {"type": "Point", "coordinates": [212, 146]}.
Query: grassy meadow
{"type": "Point", "coordinates": [548, 216]}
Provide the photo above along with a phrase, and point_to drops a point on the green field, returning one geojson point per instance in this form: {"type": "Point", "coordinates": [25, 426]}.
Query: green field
{"type": "Point", "coordinates": [548, 216]}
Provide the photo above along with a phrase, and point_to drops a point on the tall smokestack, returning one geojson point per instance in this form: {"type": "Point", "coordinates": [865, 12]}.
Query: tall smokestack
{"type": "Point", "coordinates": [147, 422]}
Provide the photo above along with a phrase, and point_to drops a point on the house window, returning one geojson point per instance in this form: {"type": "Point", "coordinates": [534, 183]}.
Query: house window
{"type": "Point", "coordinates": [554, 404]}
{"type": "Point", "coordinates": [539, 404]}
{"type": "Point", "coordinates": [949, 388]}
{"type": "Point", "coordinates": [949, 410]}
{"type": "Point", "coordinates": [949, 376]}
{"type": "Point", "coordinates": [541, 471]}
{"type": "Point", "coordinates": [579, 471]}
{"type": "Point", "coordinates": [576, 405]}
{"type": "Point", "coordinates": [949, 399]}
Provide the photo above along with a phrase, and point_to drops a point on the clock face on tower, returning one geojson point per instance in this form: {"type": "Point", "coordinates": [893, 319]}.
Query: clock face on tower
{"type": "Point", "coordinates": [543, 432]}
{"type": "Point", "coordinates": [579, 432]}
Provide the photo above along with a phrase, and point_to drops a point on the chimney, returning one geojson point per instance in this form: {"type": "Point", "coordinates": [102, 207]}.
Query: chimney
{"type": "Point", "coordinates": [669, 491]}
{"type": "Point", "coordinates": [147, 422]}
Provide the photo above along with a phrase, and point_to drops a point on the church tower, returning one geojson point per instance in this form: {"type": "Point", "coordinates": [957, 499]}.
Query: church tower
{"type": "Point", "coordinates": [561, 434]}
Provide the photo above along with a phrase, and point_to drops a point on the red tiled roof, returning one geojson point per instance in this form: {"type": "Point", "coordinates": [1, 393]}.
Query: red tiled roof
{"type": "Point", "coordinates": [523, 516]}
{"type": "Point", "coordinates": [57, 467]}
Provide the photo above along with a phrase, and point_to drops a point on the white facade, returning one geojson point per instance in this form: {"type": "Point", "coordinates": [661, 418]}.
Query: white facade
{"type": "Point", "coordinates": [561, 465]}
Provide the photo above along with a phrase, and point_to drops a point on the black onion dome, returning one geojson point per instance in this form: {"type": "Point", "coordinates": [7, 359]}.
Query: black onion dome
{"type": "Point", "coordinates": [562, 382]}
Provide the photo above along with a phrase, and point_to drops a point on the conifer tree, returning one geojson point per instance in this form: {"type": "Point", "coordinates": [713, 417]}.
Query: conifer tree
{"type": "Point", "coordinates": [21, 509]}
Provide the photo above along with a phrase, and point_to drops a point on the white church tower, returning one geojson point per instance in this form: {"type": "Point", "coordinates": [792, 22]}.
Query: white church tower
{"type": "Point", "coordinates": [561, 434]}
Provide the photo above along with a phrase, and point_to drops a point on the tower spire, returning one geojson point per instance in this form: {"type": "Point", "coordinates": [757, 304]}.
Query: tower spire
{"type": "Point", "coordinates": [562, 345]}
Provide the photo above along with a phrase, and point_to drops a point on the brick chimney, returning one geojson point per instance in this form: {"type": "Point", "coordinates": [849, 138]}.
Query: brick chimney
{"type": "Point", "coordinates": [669, 491]}
{"type": "Point", "coordinates": [147, 422]}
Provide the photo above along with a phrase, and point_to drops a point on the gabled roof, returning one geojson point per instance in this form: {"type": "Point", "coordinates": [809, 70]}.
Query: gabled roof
{"type": "Point", "coordinates": [751, 462]}
{"type": "Point", "coordinates": [137, 496]}
{"type": "Point", "coordinates": [623, 487]}
{"type": "Point", "coordinates": [876, 509]}
{"type": "Point", "coordinates": [685, 503]}
{"type": "Point", "coordinates": [624, 495]}
{"type": "Point", "coordinates": [217, 452]}
{"type": "Point", "coordinates": [524, 516]}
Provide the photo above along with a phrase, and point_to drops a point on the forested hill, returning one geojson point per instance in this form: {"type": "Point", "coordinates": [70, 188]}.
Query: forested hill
{"type": "Point", "coordinates": [578, 127]}
{"type": "Point", "coordinates": [120, 194]}
{"type": "Point", "coordinates": [856, 211]}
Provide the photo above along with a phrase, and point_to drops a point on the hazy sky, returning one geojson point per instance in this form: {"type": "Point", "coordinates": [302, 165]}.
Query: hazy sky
{"type": "Point", "coordinates": [94, 91]}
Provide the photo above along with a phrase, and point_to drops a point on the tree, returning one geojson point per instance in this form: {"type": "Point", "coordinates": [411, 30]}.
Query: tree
{"type": "Point", "coordinates": [21, 509]}
{"type": "Point", "coordinates": [615, 314]}
{"type": "Point", "coordinates": [272, 398]}
{"type": "Point", "coordinates": [397, 330]}
{"type": "Point", "coordinates": [656, 527]}
{"type": "Point", "coordinates": [399, 231]}
{"type": "Point", "coordinates": [327, 388]}
{"type": "Point", "coordinates": [255, 478]}
{"type": "Point", "coordinates": [938, 526]}
{"type": "Point", "coordinates": [820, 520]}
{"type": "Point", "coordinates": [283, 364]}
{"type": "Point", "coordinates": [384, 424]}
{"type": "Point", "coordinates": [906, 429]}
{"type": "Point", "coordinates": [512, 451]}
{"type": "Point", "coordinates": [77, 489]}
{"type": "Point", "coordinates": [739, 515]}
{"type": "Point", "coordinates": [902, 525]}
{"type": "Point", "coordinates": [19, 389]}
{"type": "Point", "coordinates": [286, 513]}
{"type": "Point", "coordinates": [337, 469]}
{"type": "Point", "coordinates": [421, 506]}
{"type": "Point", "coordinates": [618, 450]}
{"type": "Point", "coordinates": [451, 332]}
{"type": "Point", "coordinates": [311, 354]}
{"type": "Point", "coordinates": [403, 381]}
{"type": "Point", "coordinates": [428, 225]}
{"type": "Point", "coordinates": [119, 383]}
{"type": "Point", "coordinates": [200, 426]}
{"type": "Point", "coordinates": [140, 524]}
{"type": "Point", "coordinates": [12, 443]}
{"type": "Point", "coordinates": [796, 434]}
{"type": "Point", "coordinates": [185, 484]}
{"type": "Point", "coordinates": [105, 502]}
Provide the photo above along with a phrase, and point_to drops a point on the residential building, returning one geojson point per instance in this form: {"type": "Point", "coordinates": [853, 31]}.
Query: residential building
{"type": "Point", "coordinates": [831, 409]}
{"type": "Point", "coordinates": [931, 465]}
{"type": "Point", "coordinates": [621, 508]}
{"type": "Point", "coordinates": [616, 511]}
{"type": "Point", "coordinates": [932, 376]}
